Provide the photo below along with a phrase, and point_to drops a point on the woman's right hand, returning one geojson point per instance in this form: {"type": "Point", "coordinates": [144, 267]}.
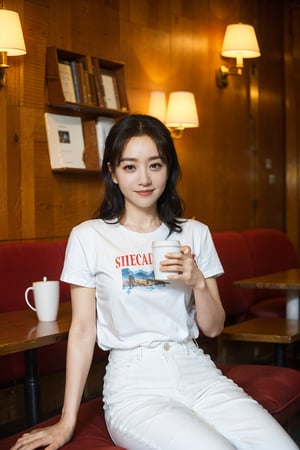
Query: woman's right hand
{"type": "Point", "coordinates": [52, 438]}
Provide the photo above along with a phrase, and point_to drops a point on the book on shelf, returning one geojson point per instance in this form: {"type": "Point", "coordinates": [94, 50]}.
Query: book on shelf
{"type": "Point", "coordinates": [65, 141]}
{"type": "Point", "coordinates": [110, 87]}
{"type": "Point", "coordinates": [76, 82]}
{"type": "Point", "coordinates": [82, 82]}
{"type": "Point", "coordinates": [91, 153]}
{"type": "Point", "coordinates": [67, 83]}
{"type": "Point", "coordinates": [88, 66]}
{"type": "Point", "coordinates": [98, 83]}
{"type": "Point", "coordinates": [103, 126]}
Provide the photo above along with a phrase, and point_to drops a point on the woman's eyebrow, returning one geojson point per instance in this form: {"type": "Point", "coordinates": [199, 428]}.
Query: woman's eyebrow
{"type": "Point", "coordinates": [128, 158]}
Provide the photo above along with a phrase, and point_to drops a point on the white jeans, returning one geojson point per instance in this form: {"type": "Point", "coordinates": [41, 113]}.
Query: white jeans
{"type": "Point", "coordinates": [172, 397]}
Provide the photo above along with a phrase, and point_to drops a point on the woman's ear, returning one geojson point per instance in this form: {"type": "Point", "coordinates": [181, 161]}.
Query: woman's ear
{"type": "Point", "coordinates": [112, 174]}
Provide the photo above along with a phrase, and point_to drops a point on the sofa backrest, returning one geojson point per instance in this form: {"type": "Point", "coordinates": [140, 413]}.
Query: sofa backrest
{"type": "Point", "coordinates": [20, 265]}
{"type": "Point", "coordinates": [270, 251]}
{"type": "Point", "coordinates": [23, 263]}
{"type": "Point", "coordinates": [236, 261]}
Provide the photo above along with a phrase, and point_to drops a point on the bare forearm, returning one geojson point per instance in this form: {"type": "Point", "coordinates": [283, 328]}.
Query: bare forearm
{"type": "Point", "coordinates": [79, 357]}
{"type": "Point", "coordinates": [81, 345]}
{"type": "Point", "coordinates": [210, 314]}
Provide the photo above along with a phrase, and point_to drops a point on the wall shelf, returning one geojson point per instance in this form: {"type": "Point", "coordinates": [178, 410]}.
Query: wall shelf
{"type": "Point", "coordinates": [87, 87]}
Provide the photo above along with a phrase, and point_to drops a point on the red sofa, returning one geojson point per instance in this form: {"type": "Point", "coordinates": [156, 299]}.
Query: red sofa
{"type": "Point", "coordinates": [242, 254]}
{"type": "Point", "coordinates": [250, 253]}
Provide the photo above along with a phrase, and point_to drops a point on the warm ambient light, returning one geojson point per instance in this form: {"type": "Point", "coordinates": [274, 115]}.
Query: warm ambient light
{"type": "Point", "coordinates": [11, 39]}
{"type": "Point", "coordinates": [181, 112]}
{"type": "Point", "coordinates": [239, 42]}
{"type": "Point", "coordinates": [158, 105]}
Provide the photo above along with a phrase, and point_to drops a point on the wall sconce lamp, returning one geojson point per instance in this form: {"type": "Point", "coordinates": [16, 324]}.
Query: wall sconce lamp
{"type": "Point", "coordinates": [180, 113]}
{"type": "Point", "coordinates": [239, 42]}
{"type": "Point", "coordinates": [11, 39]}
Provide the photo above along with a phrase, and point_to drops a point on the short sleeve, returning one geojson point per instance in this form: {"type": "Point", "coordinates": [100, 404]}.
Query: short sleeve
{"type": "Point", "coordinates": [207, 258]}
{"type": "Point", "coordinates": [77, 269]}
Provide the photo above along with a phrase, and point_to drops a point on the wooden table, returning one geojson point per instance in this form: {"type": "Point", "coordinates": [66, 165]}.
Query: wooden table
{"type": "Point", "coordinates": [288, 280]}
{"type": "Point", "coordinates": [279, 331]}
{"type": "Point", "coordinates": [21, 331]}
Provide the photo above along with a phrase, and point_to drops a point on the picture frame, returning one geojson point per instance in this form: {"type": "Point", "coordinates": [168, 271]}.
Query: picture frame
{"type": "Point", "coordinates": [65, 141]}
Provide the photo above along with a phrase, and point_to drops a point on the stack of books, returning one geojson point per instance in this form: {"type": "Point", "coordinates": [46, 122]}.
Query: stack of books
{"type": "Point", "coordinates": [84, 81]}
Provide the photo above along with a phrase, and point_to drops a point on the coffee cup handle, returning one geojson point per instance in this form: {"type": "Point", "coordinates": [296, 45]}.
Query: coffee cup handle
{"type": "Point", "coordinates": [26, 298]}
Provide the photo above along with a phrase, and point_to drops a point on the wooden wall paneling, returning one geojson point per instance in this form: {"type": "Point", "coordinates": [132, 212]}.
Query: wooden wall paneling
{"type": "Point", "coordinates": [60, 23]}
{"type": "Point", "coordinates": [13, 211]}
{"type": "Point", "coordinates": [270, 119]}
{"type": "Point", "coordinates": [95, 28]}
{"type": "Point", "coordinates": [28, 117]}
{"type": "Point", "coordinates": [168, 46]}
{"type": "Point", "coordinates": [292, 122]}
{"type": "Point", "coordinates": [3, 166]}
{"type": "Point", "coordinates": [11, 97]}
{"type": "Point", "coordinates": [76, 197]}
{"type": "Point", "coordinates": [253, 139]}
{"type": "Point", "coordinates": [44, 208]}
{"type": "Point", "coordinates": [35, 33]}
{"type": "Point", "coordinates": [230, 178]}
{"type": "Point", "coordinates": [145, 49]}
{"type": "Point", "coordinates": [296, 21]}
{"type": "Point", "coordinates": [231, 170]}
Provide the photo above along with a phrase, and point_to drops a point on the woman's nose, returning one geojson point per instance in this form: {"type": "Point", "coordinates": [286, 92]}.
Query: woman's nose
{"type": "Point", "coordinates": [144, 178]}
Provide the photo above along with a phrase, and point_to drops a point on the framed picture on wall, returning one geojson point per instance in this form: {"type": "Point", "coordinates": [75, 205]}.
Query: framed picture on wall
{"type": "Point", "coordinates": [110, 90]}
{"type": "Point", "coordinates": [65, 141]}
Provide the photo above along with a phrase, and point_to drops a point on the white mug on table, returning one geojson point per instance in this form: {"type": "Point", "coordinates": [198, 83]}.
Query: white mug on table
{"type": "Point", "coordinates": [46, 299]}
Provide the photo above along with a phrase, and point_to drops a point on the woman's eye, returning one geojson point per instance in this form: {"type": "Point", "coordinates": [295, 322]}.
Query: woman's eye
{"type": "Point", "coordinates": [156, 166]}
{"type": "Point", "coordinates": [129, 167]}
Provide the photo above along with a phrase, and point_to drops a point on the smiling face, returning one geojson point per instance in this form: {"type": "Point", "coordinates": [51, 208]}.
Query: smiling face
{"type": "Point", "coordinates": [141, 174]}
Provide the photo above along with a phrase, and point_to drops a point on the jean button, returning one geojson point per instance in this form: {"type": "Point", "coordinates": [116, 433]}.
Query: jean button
{"type": "Point", "coordinates": [167, 346]}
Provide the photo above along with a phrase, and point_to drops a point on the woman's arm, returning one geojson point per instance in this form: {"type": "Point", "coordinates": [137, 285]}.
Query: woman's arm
{"type": "Point", "coordinates": [210, 313]}
{"type": "Point", "coordinates": [81, 342]}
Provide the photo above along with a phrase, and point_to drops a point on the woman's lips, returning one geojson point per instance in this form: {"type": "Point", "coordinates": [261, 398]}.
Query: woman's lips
{"type": "Point", "coordinates": [145, 192]}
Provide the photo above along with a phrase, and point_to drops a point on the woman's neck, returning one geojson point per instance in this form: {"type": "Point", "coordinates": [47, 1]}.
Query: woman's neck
{"type": "Point", "coordinates": [142, 223]}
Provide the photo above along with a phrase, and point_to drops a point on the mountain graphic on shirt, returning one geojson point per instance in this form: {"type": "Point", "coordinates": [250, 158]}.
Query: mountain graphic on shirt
{"type": "Point", "coordinates": [140, 279]}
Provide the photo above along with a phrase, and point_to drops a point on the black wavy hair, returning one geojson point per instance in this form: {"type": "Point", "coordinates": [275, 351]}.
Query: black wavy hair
{"type": "Point", "coordinates": [170, 206]}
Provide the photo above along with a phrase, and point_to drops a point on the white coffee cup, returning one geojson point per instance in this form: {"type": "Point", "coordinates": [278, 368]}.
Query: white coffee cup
{"type": "Point", "coordinates": [46, 299]}
{"type": "Point", "coordinates": [159, 250]}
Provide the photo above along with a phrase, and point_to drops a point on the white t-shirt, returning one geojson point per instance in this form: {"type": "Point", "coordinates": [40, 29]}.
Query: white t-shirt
{"type": "Point", "coordinates": [132, 309]}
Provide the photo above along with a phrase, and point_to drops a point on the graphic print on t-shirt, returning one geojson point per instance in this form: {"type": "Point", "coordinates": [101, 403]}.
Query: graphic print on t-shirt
{"type": "Point", "coordinates": [137, 272]}
{"type": "Point", "coordinates": [140, 278]}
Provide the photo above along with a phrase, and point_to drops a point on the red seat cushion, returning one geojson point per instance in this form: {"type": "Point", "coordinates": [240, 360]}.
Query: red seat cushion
{"type": "Point", "coordinates": [277, 389]}
{"type": "Point", "coordinates": [90, 433]}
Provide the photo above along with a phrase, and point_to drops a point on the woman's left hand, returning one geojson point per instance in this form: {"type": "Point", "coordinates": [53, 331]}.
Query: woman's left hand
{"type": "Point", "coordinates": [184, 267]}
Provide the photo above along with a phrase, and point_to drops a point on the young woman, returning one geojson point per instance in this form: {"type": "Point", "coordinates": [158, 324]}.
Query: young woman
{"type": "Point", "coordinates": [160, 390]}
